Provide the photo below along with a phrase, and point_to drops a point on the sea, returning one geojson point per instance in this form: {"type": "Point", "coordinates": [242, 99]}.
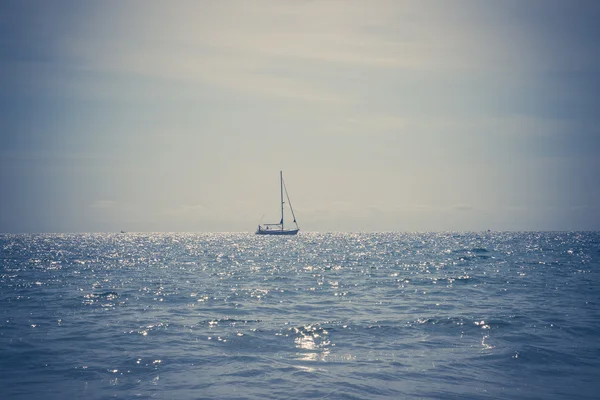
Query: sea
{"type": "Point", "coordinates": [450, 315]}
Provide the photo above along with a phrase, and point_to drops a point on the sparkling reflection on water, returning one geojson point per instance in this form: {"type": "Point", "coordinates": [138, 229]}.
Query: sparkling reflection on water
{"type": "Point", "coordinates": [388, 315]}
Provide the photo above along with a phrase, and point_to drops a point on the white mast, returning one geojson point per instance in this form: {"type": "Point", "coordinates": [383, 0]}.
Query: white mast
{"type": "Point", "coordinates": [281, 190]}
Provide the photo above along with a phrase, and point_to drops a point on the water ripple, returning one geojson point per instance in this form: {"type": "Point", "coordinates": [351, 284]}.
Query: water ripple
{"type": "Point", "coordinates": [384, 315]}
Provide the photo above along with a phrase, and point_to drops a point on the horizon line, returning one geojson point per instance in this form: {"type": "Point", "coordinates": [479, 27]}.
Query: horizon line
{"type": "Point", "coordinates": [305, 232]}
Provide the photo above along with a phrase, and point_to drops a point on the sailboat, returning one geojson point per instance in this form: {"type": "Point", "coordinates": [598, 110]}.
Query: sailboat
{"type": "Point", "coordinates": [279, 229]}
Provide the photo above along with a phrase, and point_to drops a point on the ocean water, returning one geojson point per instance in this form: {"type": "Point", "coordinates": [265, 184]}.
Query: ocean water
{"type": "Point", "coordinates": [492, 315]}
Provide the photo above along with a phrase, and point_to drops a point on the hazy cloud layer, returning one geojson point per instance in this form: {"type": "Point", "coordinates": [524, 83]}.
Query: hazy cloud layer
{"type": "Point", "coordinates": [385, 115]}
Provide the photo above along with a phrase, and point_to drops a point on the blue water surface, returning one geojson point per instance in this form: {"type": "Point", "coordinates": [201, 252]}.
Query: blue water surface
{"type": "Point", "coordinates": [492, 315]}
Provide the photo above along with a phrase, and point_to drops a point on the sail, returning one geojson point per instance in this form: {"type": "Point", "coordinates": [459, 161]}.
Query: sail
{"type": "Point", "coordinates": [290, 203]}
{"type": "Point", "coordinates": [279, 229]}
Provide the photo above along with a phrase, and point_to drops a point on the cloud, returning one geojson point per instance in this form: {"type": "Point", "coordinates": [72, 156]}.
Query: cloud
{"type": "Point", "coordinates": [291, 50]}
{"type": "Point", "coordinates": [103, 204]}
{"type": "Point", "coordinates": [464, 207]}
{"type": "Point", "coordinates": [366, 125]}
{"type": "Point", "coordinates": [187, 210]}
{"type": "Point", "coordinates": [430, 102]}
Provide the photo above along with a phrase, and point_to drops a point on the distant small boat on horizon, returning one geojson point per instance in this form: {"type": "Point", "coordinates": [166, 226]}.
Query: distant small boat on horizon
{"type": "Point", "coordinates": [278, 229]}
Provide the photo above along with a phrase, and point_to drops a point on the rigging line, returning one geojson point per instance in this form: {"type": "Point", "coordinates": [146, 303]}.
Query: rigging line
{"type": "Point", "coordinates": [290, 203]}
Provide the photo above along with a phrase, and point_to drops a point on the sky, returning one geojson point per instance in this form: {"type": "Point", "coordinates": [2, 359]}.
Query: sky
{"type": "Point", "coordinates": [446, 115]}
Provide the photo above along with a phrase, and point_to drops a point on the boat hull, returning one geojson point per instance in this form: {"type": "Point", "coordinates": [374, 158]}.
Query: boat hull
{"type": "Point", "coordinates": [277, 231]}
